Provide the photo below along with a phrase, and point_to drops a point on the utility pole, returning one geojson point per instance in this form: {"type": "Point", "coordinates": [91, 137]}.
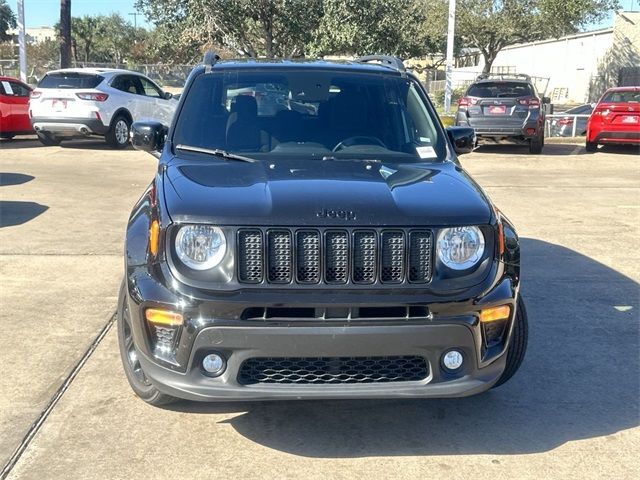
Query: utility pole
{"type": "Point", "coordinates": [135, 19]}
{"type": "Point", "coordinates": [21, 42]}
{"type": "Point", "coordinates": [65, 33]}
{"type": "Point", "coordinates": [448, 89]}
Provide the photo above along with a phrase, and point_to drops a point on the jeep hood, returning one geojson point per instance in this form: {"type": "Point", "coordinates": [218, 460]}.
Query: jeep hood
{"type": "Point", "coordinates": [322, 193]}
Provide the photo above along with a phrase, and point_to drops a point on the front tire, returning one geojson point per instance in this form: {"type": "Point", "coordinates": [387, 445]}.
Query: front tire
{"type": "Point", "coordinates": [48, 140]}
{"type": "Point", "coordinates": [136, 377]}
{"type": "Point", "coordinates": [517, 344]}
{"type": "Point", "coordinates": [118, 134]}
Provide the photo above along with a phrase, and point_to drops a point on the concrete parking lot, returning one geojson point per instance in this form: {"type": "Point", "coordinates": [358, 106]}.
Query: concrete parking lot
{"type": "Point", "coordinates": [571, 412]}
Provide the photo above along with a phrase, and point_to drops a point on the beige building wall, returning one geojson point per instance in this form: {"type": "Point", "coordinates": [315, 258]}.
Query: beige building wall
{"type": "Point", "coordinates": [621, 63]}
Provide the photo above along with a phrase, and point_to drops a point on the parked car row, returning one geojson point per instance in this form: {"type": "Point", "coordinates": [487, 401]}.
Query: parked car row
{"type": "Point", "coordinates": [508, 108]}
{"type": "Point", "coordinates": [82, 102]}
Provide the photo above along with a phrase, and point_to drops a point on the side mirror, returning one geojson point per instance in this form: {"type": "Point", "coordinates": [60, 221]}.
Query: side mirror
{"type": "Point", "coordinates": [167, 95]}
{"type": "Point", "coordinates": [148, 136]}
{"type": "Point", "coordinates": [546, 100]}
{"type": "Point", "coordinates": [463, 139]}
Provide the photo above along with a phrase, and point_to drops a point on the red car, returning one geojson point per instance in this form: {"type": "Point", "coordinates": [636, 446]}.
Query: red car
{"type": "Point", "coordinates": [14, 108]}
{"type": "Point", "coordinates": [616, 119]}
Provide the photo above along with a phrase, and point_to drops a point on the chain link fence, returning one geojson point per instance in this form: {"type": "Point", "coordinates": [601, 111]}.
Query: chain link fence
{"type": "Point", "coordinates": [164, 75]}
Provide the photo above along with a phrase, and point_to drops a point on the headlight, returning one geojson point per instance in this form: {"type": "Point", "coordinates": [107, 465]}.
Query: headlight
{"type": "Point", "coordinates": [460, 248]}
{"type": "Point", "coordinates": [200, 247]}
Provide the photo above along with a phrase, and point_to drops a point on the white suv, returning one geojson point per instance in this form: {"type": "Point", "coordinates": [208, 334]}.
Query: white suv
{"type": "Point", "coordinates": [79, 102]}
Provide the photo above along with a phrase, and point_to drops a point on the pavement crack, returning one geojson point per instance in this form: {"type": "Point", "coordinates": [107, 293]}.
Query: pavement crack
{"type": "Point", "coordinates": [37, 424]}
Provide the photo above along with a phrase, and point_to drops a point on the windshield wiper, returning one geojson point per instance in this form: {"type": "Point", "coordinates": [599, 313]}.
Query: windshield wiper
{"type": "Point", "coordinates": [331, 158]}
{"type": "Point", "coordinates": [216, 152]}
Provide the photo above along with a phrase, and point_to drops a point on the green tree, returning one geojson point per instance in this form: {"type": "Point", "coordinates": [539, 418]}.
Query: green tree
{"type": "Point", "coordinates": [104, 38]}
{"type": "Point", "coordinates": [395, 27]}
{"type": "Point", "coordinates": [83, 35]}
{"type": "Point", "coordinates": [491, 25]}
{"type": "Point", "coordinates": [271, 28]}
{"type": "Point", "coordinates": [7, 20]}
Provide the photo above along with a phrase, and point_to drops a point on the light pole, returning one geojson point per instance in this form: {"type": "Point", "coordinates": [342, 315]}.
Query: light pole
{"type": "Point", "coordinates": [448, 88]}
{"type": "Point", "coordinates": [22, 46]}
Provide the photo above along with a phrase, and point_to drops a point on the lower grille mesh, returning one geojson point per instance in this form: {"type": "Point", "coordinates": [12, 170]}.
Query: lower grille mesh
{"type": "Point", "coordinates": [332, 370]}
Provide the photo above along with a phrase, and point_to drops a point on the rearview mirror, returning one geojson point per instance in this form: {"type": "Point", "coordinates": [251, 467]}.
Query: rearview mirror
{"type": "Point", "coordinates": [463, 139]}
{"type": "Point", "coordinates": [546, 100]}
{"type": "Point", "coordinates": [148, 136]}
{"type": "Point", "coordinates": [168, 95]}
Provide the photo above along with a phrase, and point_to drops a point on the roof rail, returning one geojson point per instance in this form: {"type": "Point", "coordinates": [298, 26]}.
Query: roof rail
{"type": "Point", "coordinates": [502, 76]}
{"type": "Point", "coordinates": [209, 60]}
{"type": "Point", "coordinates": [385, 60]}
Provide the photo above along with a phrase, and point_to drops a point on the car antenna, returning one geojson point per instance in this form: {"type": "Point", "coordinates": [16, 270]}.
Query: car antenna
{"type": "Point", "coordinates": [209, 60]}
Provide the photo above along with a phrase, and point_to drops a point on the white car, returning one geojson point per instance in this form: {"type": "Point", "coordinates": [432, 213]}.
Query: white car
{"type": "Point", "coordinates": [80, 102]}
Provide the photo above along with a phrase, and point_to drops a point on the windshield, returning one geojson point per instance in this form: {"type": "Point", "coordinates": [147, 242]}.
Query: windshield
{"type": "Point", "coordinates": [70, 80]}
{"type": "Point", "coordinates": [501, 90]}
{"type": "Point", "coordinates": [323, 114]}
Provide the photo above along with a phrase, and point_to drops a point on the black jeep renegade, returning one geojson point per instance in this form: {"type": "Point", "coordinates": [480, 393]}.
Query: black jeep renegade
{"type": "Point", "coordinates": [310, 233]}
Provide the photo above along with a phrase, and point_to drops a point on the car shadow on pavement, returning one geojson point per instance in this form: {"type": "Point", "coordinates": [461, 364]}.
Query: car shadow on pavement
{"type": "Point", "coordinates": [16, 213]}
{"type": "Point", "coordinates": [556, 149]}
{"type": "Point", "coordinates": [93, 143]}
{"type": "Point", "coordinates": [579, 380]}
{"type": "Point", "coordinates": [7, 179]}
{"type": "Point", "coordinates": [89, 144]}
{"type": "Point", "coordinates": [553, 149]}
{"type": "Point", "coordinates": [29, 141]}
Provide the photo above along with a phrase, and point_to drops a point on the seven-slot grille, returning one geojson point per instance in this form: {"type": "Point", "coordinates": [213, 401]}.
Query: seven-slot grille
{"type": "Point", "coordinates": [334, 256]}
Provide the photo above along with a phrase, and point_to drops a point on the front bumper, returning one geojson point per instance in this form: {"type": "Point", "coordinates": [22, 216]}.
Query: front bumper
{"type": "Point", "coordinates": [69, 127]}
{"type": "Point", "coordinates": [216, 325]}
{"type": "Point", "coordinates": [241, 343]}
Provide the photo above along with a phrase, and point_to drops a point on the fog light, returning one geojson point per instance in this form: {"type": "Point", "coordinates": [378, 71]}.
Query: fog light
{"type": "Point", "coordinates": [213, 364]}
{"type": "Point", "coordinates": [452, 360]}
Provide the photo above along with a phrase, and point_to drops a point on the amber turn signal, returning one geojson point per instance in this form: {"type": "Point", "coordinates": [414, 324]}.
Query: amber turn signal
{"type": "Point", "coordinates": [495, 313]}
{"type": "Point", "coordinates": [162, 317]}
{"type": "Point", "coordinates": [154, 236]}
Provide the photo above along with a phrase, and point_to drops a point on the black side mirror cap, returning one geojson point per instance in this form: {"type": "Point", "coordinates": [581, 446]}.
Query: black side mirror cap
{"type": "Point", "coordinates": [546, 100]}
{"type": "Point", "coordinates": [462, 138]}
{"type": "Point", "coordinates": [148, 136]}
{"type": "Point", "coordinates": [168, 95]}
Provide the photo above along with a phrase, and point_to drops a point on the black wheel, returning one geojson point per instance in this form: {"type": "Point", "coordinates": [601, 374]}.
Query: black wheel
{"type": "Point", "coordinates": [517, 344]}
{"type": "Point", "coordinates": [536, 144]}
{"type": "Point", "coordinates": [118, 134]}
{"type": "Point", "coordinates": [48, 140]}
{"type": "Point", "coordinates": [6, 136]}
{"type": "Point", "coordinates": [129, 355]}
{"type": "Point", "coordinates": [591, 147]}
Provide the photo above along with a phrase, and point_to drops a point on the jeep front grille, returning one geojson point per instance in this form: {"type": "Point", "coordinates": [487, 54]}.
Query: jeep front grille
{"type": "Point", "coordinates": [332, 370]}
{"type": "Point", "coordinates": [334, 256]}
